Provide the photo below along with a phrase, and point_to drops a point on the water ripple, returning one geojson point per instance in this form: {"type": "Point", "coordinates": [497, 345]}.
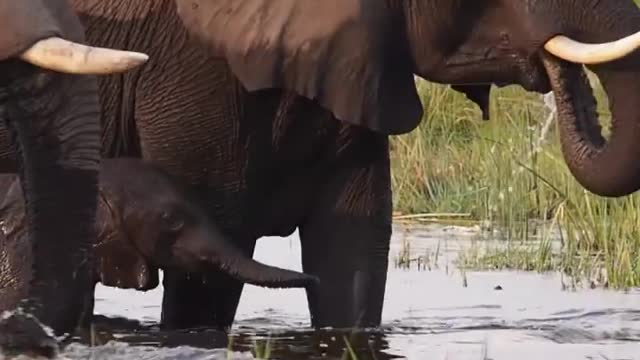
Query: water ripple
{"type": "Point", "coordinates": [428, 315]}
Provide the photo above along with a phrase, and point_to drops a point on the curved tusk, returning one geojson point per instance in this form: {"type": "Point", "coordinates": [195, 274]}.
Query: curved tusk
{"type": "Point", "coordinates": [68, 57]}
{"type": "Point", "coordinates": [591, 54]}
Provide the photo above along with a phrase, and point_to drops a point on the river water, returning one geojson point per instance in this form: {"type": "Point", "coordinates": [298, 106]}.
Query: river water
{"type": "Point", "coordinates": [429, 314]}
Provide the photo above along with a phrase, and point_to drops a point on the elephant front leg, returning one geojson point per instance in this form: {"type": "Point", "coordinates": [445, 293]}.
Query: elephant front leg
{"type": "Point", "coordinates": [345, 242]}
{"type": "Point", "coordinates": [201, 300]}
{"type": "Point", "coordinates": [349, 255]}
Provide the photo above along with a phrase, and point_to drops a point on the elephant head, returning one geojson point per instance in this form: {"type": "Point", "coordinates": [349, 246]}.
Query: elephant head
{"type": "Point", "coordinates": [148, 220]}
{"type": "Point", "coordinates": [50, 104]}
{"type": "Point", "coordinates": [357, 57]}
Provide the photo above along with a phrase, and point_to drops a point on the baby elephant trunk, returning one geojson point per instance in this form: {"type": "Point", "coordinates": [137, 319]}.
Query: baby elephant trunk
{"type": "Point", "coordinates": [253, 272]}
{"type": "Point", "coordinates": [216, 251]}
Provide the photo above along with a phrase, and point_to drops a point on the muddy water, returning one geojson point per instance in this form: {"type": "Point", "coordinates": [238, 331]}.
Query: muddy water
{"type": "Point", "coordinates": [428, 314]}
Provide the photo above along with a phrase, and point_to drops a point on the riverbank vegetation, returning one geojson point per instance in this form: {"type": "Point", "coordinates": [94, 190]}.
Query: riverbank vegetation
{"type": "Point", "coordinates": [508, 174]}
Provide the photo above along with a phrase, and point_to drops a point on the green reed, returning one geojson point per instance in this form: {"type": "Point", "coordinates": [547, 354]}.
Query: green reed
{"type": "Point", "coordinates": [509, 172]}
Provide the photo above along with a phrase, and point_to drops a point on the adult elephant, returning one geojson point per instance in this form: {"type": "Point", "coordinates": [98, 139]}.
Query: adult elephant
{"type": "Point", "coordinates": [51, 109]}
{"type": "Point", "coordinates": [278, 113]}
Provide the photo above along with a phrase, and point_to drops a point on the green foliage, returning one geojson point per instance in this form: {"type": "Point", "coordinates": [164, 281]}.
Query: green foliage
{"type": "Point", "coordinates": [457, 163]}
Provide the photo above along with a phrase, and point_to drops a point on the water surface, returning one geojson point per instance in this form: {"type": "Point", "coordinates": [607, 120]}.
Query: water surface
{"type": "Point", "coordinates": [428, 314]}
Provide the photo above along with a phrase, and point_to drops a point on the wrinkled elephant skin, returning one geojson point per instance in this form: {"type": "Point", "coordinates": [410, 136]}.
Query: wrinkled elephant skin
{"type": "Point", "coordinates": [277, 113]}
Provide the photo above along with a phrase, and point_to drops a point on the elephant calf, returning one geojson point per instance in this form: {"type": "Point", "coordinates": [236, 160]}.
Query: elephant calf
{"type": "Point", "coordinates": [145, 221]}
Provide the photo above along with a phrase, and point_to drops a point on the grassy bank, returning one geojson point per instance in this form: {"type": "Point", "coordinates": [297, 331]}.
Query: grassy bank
{"type": "Point", "coordinates": [509, 172]}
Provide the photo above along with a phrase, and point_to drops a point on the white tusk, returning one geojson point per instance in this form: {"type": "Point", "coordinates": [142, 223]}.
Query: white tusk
{"type": "Point", "coordinates": [591, 54]}
{"type": "Point", "coordinates": [68, 57]}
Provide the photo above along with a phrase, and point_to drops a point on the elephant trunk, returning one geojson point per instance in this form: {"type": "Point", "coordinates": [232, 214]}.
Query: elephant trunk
{"type": "Point", "coordinates": [55, 118]}
{"type": "Point", "coordinates": [607, 168]}
{"type": "Point", "coordinates": [59, 135]}
{"type": "Point", "coordinates": [250, 271]}
{"type": "Point", "coordinates": [209, 248]}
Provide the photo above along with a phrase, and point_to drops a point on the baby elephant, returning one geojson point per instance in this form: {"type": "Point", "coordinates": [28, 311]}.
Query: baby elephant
{"type": "Point", "coordinates": [145, 221]}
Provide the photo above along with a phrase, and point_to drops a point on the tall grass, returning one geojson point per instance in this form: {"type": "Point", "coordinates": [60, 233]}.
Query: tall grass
{"type": "Point", "coordinates": [509, 171]}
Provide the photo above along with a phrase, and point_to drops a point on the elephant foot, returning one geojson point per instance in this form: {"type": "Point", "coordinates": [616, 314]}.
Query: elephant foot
{"type": "Point", "coordinates": [22, 335]}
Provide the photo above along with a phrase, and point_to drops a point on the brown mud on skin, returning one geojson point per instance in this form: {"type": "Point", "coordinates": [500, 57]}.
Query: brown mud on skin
{"type": "Point", "coordinates": [428, 315]}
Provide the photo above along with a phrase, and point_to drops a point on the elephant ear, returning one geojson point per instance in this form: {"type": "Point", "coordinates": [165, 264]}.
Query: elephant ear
{"type": "Point", "coordinates": [118, 262]}
{"type": "Point", "coordinates": [348, 55]}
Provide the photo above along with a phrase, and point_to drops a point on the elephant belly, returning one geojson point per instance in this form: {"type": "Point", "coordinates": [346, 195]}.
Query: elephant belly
{"type": "Point", "coordinates": [305, 146]}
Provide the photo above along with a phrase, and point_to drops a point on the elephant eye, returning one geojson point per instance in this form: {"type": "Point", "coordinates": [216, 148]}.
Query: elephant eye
{"type": "Point", "coordinates": [173, 222]}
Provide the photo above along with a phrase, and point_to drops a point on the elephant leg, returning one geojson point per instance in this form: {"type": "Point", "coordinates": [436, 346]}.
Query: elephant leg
{"type": "Point", "coordinates": [201, 300]}
{"type": "Point", "coordinates": [86, 319]}
{"type": "Point", "coordinates": [8, 160]}
{"type": "Point", "coordinates": [345, 241]}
